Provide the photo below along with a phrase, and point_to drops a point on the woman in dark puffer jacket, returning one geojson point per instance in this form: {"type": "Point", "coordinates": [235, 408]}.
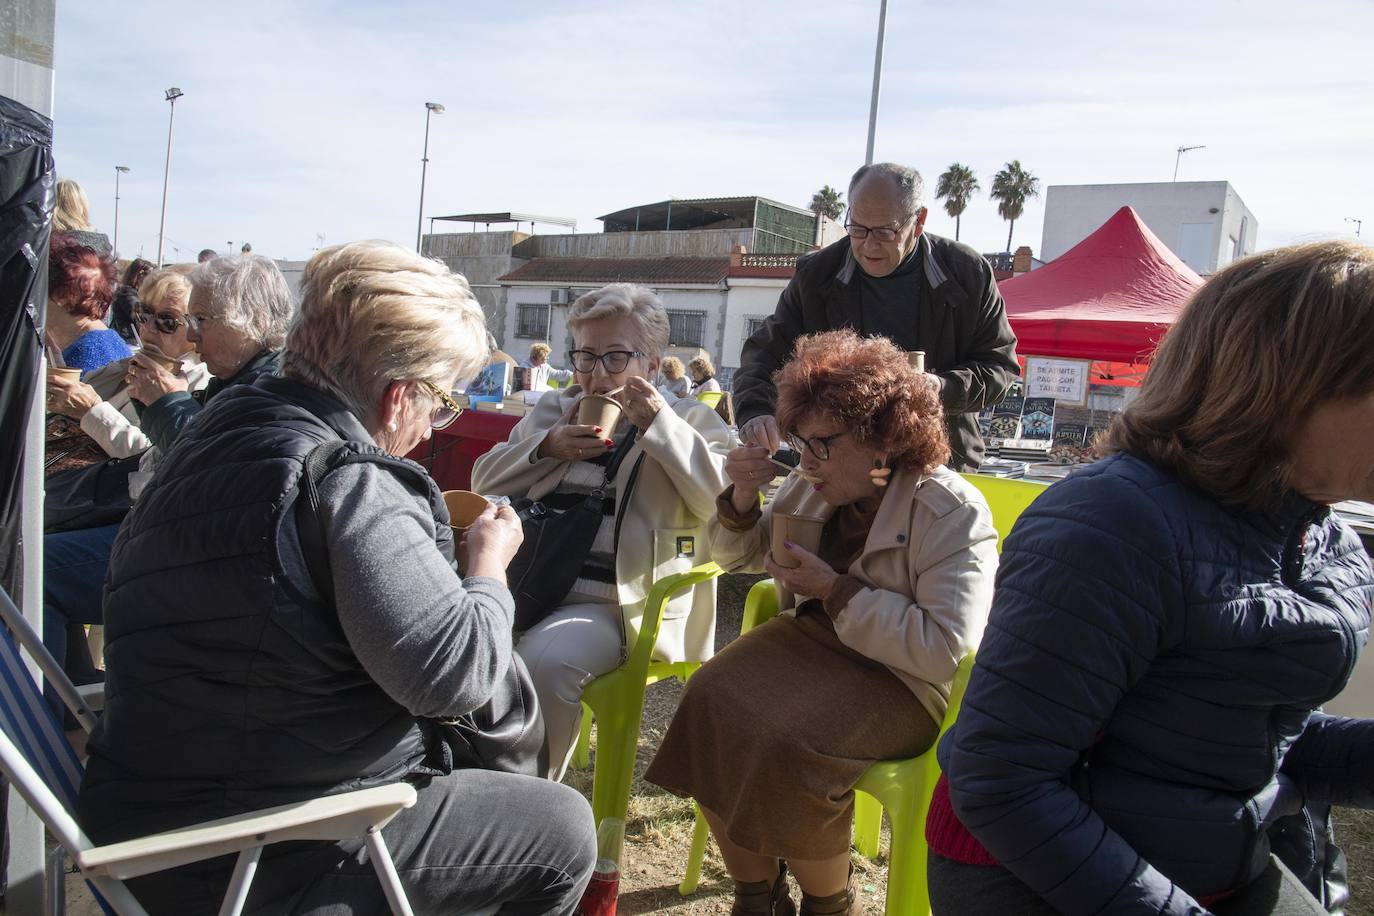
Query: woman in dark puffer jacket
{"type": "Point", "coordinates": [1167, 624]}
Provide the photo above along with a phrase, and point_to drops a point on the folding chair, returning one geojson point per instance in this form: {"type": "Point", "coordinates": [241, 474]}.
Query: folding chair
{"type": "Point", "coordinates": [39, 762]}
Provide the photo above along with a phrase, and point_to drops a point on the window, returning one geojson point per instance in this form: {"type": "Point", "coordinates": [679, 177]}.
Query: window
{"type": "Point", "coordinates": [686, 329]}
{"type": "Point", "coordinates": [752, 326]}
{"type": "Point", "coordinates": [532, 322]}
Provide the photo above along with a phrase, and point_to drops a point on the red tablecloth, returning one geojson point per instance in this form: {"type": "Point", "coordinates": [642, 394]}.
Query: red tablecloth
{"type": "Point", "coordinates": [450, 453]}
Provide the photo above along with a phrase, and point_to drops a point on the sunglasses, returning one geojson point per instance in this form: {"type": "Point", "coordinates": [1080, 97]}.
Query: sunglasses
{"type": "Point", "coordinates": [166, 322]}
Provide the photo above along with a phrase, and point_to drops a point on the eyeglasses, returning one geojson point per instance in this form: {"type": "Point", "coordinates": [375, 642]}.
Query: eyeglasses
{"type": "Point", "coordinates": [881, 233]}
{"type": "Point", "coordinates": [818, 446]}
{"type": "Point", "coordinates": [448, 409]}
{"type": "Point", "coordinates": [195, 321]}
{"type": "Point", "coordinates": [614, 360]}
{"type": "Point", "coordinates": [166, 322]}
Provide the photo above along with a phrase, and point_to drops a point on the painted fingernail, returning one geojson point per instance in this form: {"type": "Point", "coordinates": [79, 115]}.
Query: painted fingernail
{"type": "Point", "coordinates": [599, 430]}
{"type": "Point", "coordinates": [788, 544]}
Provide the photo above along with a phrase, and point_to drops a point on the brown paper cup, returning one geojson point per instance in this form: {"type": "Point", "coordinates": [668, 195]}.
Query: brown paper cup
{"type": "Point", "coordinates": [67, 372]}
{"type": "Point", "coordinates": [599, 410]}
{"type": "Point", "coordinates": [917, 359]}
{"type": "Point", "coordinates": [802, 530]}
{"type": "Point", "coordinates": [463, 507]}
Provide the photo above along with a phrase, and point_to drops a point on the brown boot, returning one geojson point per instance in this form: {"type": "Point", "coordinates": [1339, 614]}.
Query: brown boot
{"type": "Point", "coordinates": [845, 903]}
{"type": "Point", "coordinates": [763, 898]}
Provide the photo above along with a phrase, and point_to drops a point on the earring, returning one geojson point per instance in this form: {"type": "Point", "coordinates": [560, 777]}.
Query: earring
{"type": "Point", "coordinates": [393, 426]}
{"type": "Point", "coordinates": [880, 472]}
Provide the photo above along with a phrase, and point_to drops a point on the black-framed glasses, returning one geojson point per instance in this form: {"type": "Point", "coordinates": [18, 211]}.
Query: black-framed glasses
{"type": "Point", "coordinates": [818, 446]}
{"type": "Point", "coordinates": [881, 233]}
{"type": "Point", "coordinates": [448, 409]}
{"type": "Point", "coordinates": [166, 322]}
{"type": "Point", "coordinates": [194, 322]}
{"type": "Point", "coordinates": [614, 360]}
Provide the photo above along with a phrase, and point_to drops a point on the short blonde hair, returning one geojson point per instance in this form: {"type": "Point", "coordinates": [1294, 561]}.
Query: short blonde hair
{"type": "Point", "coordinates": [540, 350]}
{"type": "Point", "coordinates": [644, 310]}
{"type": "Point", "coordinates": [671, 367]}
{"type": "Point", "coordinates": [1258, 347]}
{"type": "Point", "coordinates": [703, 365]}
{"type": "Point", "coordinates": [72, 212]}
{"type": "Point", "coordinates": [163, 286]}
{"type": "Point", "coordinates": [373, 312]}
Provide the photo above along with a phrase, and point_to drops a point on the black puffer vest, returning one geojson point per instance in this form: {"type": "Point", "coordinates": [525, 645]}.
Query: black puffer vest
{"type": "Point", "coordinates": [231, 685]}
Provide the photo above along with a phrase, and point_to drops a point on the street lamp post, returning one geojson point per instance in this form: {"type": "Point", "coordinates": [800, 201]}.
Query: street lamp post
{"type": "Point", "coordinates": [430, 108]}
{"type": "Point", "coordinates": [119, 169]}
{"type": "Point", "coordinates": [877, 83]}
{"type": "Point", "coordinates": [172, 95]}
{"type": "Point", "coordinates": [1359, 223]}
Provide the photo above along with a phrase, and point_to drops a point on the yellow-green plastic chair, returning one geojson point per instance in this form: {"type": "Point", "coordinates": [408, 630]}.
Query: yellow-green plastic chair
{"type": "Point", "coordinates": [616, 699]}
{"type": "Point", "coordinates": [711, 398]}
{"type": "Point", "coordinates": [1007, 499]}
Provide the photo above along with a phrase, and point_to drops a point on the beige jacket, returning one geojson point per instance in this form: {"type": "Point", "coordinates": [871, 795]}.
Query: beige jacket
{"type": "Point", "coordinates": [926, 569]}
{"type": "Point", "coordinates": [113, 423]}
{"type": "Point", "coordinates": [664, 526]}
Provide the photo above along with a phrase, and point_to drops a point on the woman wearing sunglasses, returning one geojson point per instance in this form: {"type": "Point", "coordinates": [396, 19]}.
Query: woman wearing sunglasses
{"type": "Point", "coordinates": [104, 402]}
{"type": "Point", "coordinates": [773, 733]}
{"type": "Point", "coordinates": [656, 503]}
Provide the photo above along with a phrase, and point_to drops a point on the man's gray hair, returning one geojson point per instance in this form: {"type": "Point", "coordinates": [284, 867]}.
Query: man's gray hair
{"type": "Point", "coordinates": [248, 293]}
{"type": "Point", "coordinates": [911, 189]}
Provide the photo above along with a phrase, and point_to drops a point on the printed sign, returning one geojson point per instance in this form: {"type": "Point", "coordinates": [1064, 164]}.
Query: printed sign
{"type": "Point", "coordinates": [1065, 380]}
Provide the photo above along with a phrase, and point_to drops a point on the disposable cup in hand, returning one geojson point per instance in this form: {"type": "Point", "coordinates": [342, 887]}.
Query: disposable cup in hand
{"type": "Point", "coordinates": [802, 530]}
{"type": "Point", "coordinates": [70, 373]}
{"type": "Point", "coordinates": [599, 410]}
{"type": "Point", "coordinates": [463, 507]}
{"type": "Point", "coordinates": [917, 359]}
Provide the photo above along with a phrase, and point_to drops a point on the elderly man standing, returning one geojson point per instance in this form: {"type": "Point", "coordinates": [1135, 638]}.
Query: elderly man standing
{"type": "Point", "coordinates": [890, 278]}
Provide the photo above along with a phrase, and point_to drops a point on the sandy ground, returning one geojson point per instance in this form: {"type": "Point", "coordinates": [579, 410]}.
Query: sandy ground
{"type": "Point", "coordinates": [659, 826]}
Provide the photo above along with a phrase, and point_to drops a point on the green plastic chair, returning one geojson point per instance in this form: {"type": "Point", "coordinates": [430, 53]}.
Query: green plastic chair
{"type": "Point", "coordinates": [616, 699]}
{"type": "Point", "coordinates": [1007, 499]}
{"type": "Point", "coordinates": [903, 787]}
{"type": "Point", "coordinates": [711, 398]}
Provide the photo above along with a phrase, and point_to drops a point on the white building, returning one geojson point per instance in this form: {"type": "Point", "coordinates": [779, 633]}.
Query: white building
{"type": "Point", "coordinates": [1205, 223]}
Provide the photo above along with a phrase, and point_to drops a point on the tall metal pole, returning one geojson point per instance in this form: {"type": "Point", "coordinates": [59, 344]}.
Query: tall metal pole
{"type": "Point", "coordinates": [119, 169]}
{"type": "Point", "coordinates": [172, 95]}
{"type": "Point", "coordinates": [430, 108]}
{"type": "Point", "coordinates": [877, 83]}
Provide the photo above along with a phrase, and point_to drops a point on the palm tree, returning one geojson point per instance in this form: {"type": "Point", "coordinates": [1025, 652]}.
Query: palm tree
{"type": "Point", "coordinates": [1010, 188]}
{"type": "Point", "coordinates": [956, 186]}
{"type": "Point", "coordinates": [827, 202]}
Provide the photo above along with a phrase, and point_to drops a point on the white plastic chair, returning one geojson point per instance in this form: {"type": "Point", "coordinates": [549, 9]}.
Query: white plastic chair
{"type": "Point", "coordinates": [39, 762]}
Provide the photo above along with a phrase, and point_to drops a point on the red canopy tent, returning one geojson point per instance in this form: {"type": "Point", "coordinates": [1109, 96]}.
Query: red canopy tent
{"type": "Point", "coordinates": [1109, 298]}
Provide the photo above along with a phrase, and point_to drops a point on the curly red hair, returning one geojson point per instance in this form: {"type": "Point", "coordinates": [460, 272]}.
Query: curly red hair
{"type": "Point", "coordinates": [866, 384]}
{"type": "Point", "coordinates": [81, 279]}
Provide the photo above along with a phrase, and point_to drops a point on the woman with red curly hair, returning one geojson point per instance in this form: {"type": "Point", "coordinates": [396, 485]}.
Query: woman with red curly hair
{"type": "Point", "coordinates": [773, 733]}
{"type": "Point", "coordinates": [81, 285]}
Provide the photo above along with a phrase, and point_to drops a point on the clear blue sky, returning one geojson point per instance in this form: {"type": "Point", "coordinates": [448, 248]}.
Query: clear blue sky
{"type": "Point", "coordinates": [307, 118]}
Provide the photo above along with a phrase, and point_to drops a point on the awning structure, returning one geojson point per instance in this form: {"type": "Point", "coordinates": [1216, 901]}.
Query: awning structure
{"type": "Point", "coordinates": [1111, 297]}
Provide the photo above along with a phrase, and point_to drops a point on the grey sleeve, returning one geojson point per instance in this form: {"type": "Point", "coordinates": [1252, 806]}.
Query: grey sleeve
{"type": "Point", "coordinates": [436, 644]}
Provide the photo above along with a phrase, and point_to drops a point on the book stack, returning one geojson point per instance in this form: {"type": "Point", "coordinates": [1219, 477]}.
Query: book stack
{"type": "Point", "coordinates": [1002, 467]}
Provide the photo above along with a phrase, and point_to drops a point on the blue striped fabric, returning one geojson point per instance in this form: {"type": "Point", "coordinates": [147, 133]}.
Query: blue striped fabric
{"type": "Point", "coordinates": [29, 723]}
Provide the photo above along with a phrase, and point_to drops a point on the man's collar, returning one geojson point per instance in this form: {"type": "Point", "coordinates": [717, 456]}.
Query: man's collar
{"type": "Point", "coordinates": [850, 264]}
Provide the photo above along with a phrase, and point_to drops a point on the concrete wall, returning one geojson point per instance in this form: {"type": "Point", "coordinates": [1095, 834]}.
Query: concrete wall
{"type": "Point", "coordinates": [749, 298]}
{"type": "Point", "coordinates": [1199, 221]}
{"type": "Point", "coordinates": [702, 243]}
{"type": "Point", "coordinates": [481, 257]}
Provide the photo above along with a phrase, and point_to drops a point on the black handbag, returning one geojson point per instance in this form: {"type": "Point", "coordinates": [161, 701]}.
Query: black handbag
{"type": "Point", "coordinates": [505, 734]}
{"type": "Point", "coordinates": [557, 543]}
{"type": "Point", "coordinates": [88, 497]}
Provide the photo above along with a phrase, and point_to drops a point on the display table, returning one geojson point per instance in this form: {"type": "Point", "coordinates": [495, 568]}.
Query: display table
{"type": "Point", "coordinates": [450, 453]}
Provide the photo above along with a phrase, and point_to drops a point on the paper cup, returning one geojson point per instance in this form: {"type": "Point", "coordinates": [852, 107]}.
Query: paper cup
{"type": "Point", "coordinates": [599, 410]}
{"type": "Point", "coordinates": [171, 365]}
{"type": "Point", "coordinates": [802, 530]}
{"type": "Point", "coordinates": [917, 359]}
{"type": "Point", "coordinates": [463, 507]}
{"type": "Point", "coordinates": [67, 372]}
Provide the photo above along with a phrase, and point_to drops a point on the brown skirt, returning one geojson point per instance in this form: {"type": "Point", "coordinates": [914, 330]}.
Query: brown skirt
{"type": "Point", "coordinates": [773, 733]}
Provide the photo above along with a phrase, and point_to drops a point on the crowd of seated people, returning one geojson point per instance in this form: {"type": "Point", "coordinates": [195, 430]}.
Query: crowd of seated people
{"type": "Point", "coordinates": [289, 612]}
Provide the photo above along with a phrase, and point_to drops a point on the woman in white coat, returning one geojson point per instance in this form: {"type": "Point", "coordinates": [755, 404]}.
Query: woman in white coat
{"type": "Point", "coordinates": [673, 472]}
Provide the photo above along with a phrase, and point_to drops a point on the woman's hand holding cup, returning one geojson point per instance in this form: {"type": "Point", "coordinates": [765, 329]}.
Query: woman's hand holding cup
{"type": "Point", "coordinates": [491, 542]}
{"type": "Point", "coordinates": [749, 469]}
{"type": "Point", "coordinates": [574, 442]}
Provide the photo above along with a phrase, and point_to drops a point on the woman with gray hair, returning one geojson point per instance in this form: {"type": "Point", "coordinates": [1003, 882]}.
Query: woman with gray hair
{"type": "Point", "coordinates": [657, 500]}
{"type": "Point", "coordinates": [240, 309]}
{"type": "Point", "coordinates": [330, 635]}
